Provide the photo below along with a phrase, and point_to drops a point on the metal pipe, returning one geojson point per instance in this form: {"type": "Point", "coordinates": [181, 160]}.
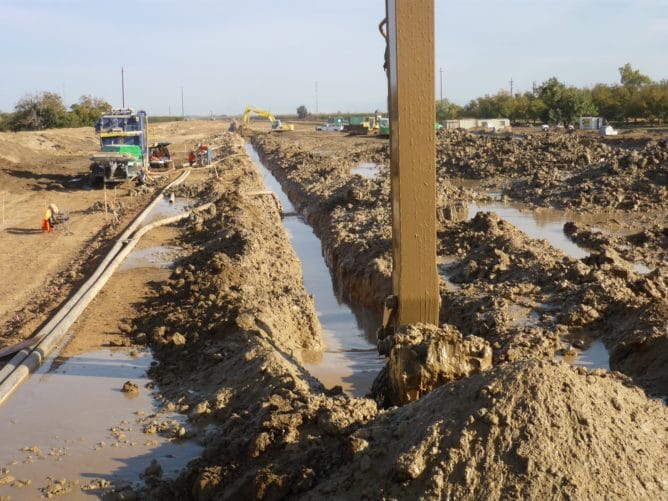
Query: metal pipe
{"type": "Point", "coordinates": [64, 310]}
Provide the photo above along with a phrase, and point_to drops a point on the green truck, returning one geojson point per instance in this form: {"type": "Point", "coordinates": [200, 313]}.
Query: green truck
{"type": "Point", "coordinates": [124, 148]}
{"type": "Point", "coordinates": [384, 126]}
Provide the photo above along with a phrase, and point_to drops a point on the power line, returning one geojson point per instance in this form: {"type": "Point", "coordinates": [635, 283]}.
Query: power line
{"type": "Point", "coordinates": [441, 73]}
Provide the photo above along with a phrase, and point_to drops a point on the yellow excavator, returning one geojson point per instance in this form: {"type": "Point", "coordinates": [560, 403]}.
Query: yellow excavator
{"type": "Point", "coordinates": [276, 124]}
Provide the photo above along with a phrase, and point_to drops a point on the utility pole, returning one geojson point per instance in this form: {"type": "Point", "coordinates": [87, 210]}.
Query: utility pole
{"type": "Point", "coordinates": [441, 72]}
{"type": "Point", "coordinates": [511, 86]}
{"type": "Point", "coordinates": [123, 87]}
{"type": "Point", "coordinates": [183, 113]}
{"type": "Point", "coordinates": [316, 97]}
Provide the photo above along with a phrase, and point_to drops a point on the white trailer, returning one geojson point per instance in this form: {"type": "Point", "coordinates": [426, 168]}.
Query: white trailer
{"type": "Point", "coordinates": [591, 123]}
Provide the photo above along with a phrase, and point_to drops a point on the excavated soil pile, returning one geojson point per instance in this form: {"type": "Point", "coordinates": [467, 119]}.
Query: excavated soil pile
{"type": "Point", "coordinates": [524, 296]}
{"type": "Point", "coordinates": [227, 329]}
{"type": "Point", "coordinates": [561, 170]}
{"type": "Point", "coordinates": [533, 430]}
{"type": "Point", "coordinates": [649, 246]}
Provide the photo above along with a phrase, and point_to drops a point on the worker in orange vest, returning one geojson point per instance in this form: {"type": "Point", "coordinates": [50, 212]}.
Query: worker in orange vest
{"type": "Point", "coordinates": [49, 217]}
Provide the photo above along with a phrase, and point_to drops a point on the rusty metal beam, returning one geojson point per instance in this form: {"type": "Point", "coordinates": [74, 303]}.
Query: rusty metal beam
{"type": "Point", "coordinates": [410, 30]}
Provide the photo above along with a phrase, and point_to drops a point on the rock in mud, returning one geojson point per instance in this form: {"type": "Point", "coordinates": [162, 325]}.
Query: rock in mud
{"type": "Point", "coordinates": [423, 357]}
{"type": "Point", "coordinates": [130, 388]}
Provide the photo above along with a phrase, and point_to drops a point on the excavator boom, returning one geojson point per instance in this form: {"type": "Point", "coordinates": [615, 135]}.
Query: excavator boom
{"type": "Point", "coordinates": [276, 124]}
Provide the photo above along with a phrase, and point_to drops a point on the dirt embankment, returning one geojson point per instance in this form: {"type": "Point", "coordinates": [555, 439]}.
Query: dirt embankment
{"type": "Point", "coordinates": [227, 328]}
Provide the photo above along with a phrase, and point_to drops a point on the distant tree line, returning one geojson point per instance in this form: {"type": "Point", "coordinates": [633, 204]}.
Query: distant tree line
{"type": "Point", "coordinates": [46, 110]}
{"type": "Point", "coordinates": [636, 97]}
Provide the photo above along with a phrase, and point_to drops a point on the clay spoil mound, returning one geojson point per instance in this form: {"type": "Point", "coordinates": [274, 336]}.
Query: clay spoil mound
{"type": "Point", "coordinates": [530, 429]}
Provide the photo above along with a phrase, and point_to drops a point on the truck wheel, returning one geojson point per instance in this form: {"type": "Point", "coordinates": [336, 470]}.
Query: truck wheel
{"type": "Point", "coordinates": [95, 181]}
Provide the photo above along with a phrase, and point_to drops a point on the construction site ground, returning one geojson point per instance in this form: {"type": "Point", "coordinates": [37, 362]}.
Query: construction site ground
{"type": "Point", "coordinates": [549, 245]}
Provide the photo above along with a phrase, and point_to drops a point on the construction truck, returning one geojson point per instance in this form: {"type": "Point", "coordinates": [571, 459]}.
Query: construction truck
{"type": "Point", "coordinates": [123, 147]}
{"type": "Point", "coordinates": [362, 125]}
{"type": "Point", "coordinates": [276, 125]}
{"type": "Point", "coordinates": [384, 127]}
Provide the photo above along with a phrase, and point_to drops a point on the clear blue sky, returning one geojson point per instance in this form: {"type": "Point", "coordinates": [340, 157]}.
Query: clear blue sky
{"type": "Point", "coordinates": [269, 53]}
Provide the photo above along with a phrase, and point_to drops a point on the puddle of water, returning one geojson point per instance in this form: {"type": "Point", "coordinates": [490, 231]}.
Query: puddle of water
{"type": "Point", "coordinates": [67, 412]}
{"type": "Point", "coordinates": [523, 316]}
{"type": "Point", "coordinates": [164, 208]}
{"type": "Point", "coordinates": [543, 224]}
{"type": "Point", "coordinates": [367, 169]}
{"type": "Point", "coordinates": [595, 356]}
{"type": "Point", "coordinates": [350, 359]}
{"type": "Point", "coordinates": [444, 266]}
{"type": "Point", "coordinates": [160, 256]}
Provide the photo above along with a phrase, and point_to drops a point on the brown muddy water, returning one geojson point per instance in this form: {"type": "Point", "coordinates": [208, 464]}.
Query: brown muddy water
{"type": "Point", "coordinates": [350, 359]}
{"type": "Point", "coordinates": [595, 356]}
{"type": "Point", "coordinates": [166, 208]}
{"type": "Point", "coordinates": [71, 421]}
{"type": "Point", "coordinates": [158, 256]}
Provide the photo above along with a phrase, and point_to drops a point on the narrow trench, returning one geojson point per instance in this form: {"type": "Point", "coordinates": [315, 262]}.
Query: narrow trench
{"type": "Point", "coordinates": [350, 359]}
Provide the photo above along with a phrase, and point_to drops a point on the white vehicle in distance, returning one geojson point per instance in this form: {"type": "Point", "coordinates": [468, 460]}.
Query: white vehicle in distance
{"type": "Point", "coordinates": [330, 127]}
{"type": "Point", "coordinates": [545, 127]}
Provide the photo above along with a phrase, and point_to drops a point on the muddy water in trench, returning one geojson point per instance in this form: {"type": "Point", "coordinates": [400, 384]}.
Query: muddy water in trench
{"type": "Point", "coordinates": [350, 359]}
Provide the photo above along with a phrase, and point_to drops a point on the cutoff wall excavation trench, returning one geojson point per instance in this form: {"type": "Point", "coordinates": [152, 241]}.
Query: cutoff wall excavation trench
{"type": "Point", "coordinates": [351, 358]}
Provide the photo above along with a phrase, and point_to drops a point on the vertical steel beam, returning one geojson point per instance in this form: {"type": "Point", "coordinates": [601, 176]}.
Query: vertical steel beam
{"type": "Point", "coordinates": [410, 29]}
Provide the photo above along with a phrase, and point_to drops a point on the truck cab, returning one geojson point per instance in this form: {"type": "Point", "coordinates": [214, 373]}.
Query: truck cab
{"type": "Point", "coordinates": [123, 147]}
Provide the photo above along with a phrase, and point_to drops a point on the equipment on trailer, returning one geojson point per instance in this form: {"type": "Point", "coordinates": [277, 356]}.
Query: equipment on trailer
{"type": "Point", "coordinates": [159, 156]}
{"type": "Point", "coordinates": [276, 125]}
{"type": "Point", "coordinates": [123, 147]}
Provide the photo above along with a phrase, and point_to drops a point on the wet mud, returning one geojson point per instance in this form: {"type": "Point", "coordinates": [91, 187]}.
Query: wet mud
{"type": "Point", "coordinates": [233, 328]}
{"type": "Point", "coordinates": [273, 431]}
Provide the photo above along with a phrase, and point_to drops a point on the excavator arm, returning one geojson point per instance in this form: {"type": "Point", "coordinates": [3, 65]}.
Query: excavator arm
{"type": "Point", "coordinates": [262, 113]}
{"type": "Point", "coordinates": [276, 124]}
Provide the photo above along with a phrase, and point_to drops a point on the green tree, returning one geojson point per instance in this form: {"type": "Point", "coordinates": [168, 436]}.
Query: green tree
{"type": "Point", "coordinates": [610, 100]}
{"type": "Point", "coordinates": [551, 92]}
{"type": "Point", "coordinates": [565, 104]}
{"type": "Point", "coordinates": [87, 111]}
{"type": "Point", "coordinates": [575, 103]}
{"type": "Point", "coordinates": [4, 121]}
{"type": "Point", "coordinates": [302, 112]}
{"type": "Point", "coordinates": [446, 110]}
{"type": "Point", "coordinates": [631, 77]}
{"type": "Point", "coordinates": [655, 98]}
{"type": "Point", "coordinates": [39, 111]}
